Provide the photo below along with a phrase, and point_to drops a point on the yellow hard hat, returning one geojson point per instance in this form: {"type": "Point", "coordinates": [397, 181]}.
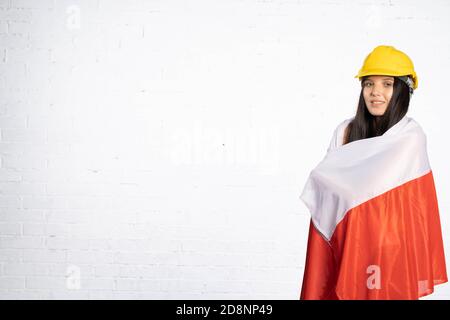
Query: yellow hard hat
{"type": "Point", "coordinates": [386, 60]}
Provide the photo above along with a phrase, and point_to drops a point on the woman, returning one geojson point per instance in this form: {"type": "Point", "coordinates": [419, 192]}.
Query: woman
{"type": "Point", "coordinates": [375, 231]}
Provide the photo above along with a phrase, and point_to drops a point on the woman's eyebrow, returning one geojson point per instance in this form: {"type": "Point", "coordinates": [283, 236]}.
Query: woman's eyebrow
{"type": "Point", "coordinates": [381, 79]}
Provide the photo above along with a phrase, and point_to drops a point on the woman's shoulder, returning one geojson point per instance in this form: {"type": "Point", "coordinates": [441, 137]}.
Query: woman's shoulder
{"type": "Point", "coordinates": [413, 126]}
{"type": "Point", "coordinates": [338, 134]}
{"type": "Point", "coordinates": [407, 124]}
{"type": "Point", "coordinates": [341, 128]}
{"type": "Point", "coordinates": [413, 122]}
{"type": "Point", "coordinates": [343, 125]}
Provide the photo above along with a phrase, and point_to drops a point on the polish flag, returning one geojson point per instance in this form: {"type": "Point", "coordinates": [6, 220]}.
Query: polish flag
{"type": "Point", "coordinates": [375, 231]}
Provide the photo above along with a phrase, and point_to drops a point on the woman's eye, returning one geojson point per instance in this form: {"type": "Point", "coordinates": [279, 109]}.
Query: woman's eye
{"type": "Point", "coordinates": [386, 83]}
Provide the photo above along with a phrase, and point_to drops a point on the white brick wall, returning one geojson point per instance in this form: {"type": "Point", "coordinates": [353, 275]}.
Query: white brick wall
{"type": "Point", "coordinates": [156, 149]}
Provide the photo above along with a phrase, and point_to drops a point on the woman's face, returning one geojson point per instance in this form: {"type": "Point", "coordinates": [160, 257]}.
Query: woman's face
{"type": "Point", "coordinates": [377, 92]}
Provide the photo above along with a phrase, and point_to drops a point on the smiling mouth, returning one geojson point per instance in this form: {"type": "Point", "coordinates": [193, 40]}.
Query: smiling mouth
{"type": "Point", "coordinates": [377, 103]}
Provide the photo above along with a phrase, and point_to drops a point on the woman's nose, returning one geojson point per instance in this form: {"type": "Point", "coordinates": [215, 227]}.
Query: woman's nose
{"type": "Point", "coordinates": [376, 90]}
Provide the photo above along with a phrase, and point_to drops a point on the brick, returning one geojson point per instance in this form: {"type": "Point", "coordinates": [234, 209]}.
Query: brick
{"type": "Point", "coordinates": [24, 135]}
{"type": "Point", "coordinates": [41, 4]}
{"type": "Point", "coordinates": [44, 202]}
{"type": "Point", "coordinates": [135, 258]}
{"type": "Point", "coordinates": [45, 282]}
{"type": "Point", "coordinates": [5, 4]}
{"type": "Point", "coordinates": [23, 242]}
{"type": "Point", "coordinates": [150, 272]}
{"type": "Point", "coordinates": [84, 256]}
{"type": "Point", "coordinates": [98, 284]}
{"type": "Point", "coordinates": [20, 294]}
{"type": "Point", "coordinates": [99, 244]}
{"type": "Point", "coordinates": [15, 14]}
{"type": "Point", "coordinates": [43, 175]}
{"type": "Point", "coordinates": [21, 215]}
{"type": "Point", "coordinates": [12, 283]}
{"type": "Point", "coordinates": [3, 27]}
{"type": "Point", "coordinates": [33, 229]}
{"type": "Point", "coordinates": [10, 228]}
{"type": "Point", "coordinates": [7, 175]}
{"type": "Point", "coordinates": [107, 270]}
{"type": "Point", "coordinates": [14, 41]}
{"type": "Point", "coordinates": [127, 284]}
{"type": "Point", "coordinates": [10, 201]}
{"type": "Point", "coordinates": [19, 28]}
{"type": "Point", "coordinates": [66, 294]}
{"type": "Point", "coordinates": [25, 269]}
{"type": "Point", "coordinates": [13, 122]}
{"type": "Point", "coordinates": [44, 255]}
{"type": "Point", "coordinates": [57, 230]}
{"type": "Point", "coordinates": [191, 286]}
{"type": "Point", "coordinates": [16, 162]}
{"type": "Point", "coordinates": [10, 255]}
{"type": "Point", "coordinates": [70, 269]}
{"type": "Point", "coordinates": [67, 243]}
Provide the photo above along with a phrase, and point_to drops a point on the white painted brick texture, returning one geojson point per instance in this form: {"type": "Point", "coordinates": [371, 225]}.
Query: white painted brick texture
{"type": "Point", "coordinates": [157, 149]}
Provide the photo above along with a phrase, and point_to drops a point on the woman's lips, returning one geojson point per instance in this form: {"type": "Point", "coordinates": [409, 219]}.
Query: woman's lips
{"type": "Point", "coordinates": [377, 102]}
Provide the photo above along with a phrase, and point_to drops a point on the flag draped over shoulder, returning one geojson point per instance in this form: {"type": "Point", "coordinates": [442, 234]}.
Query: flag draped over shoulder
{"type": "Point", "coordinates": [375, 231]}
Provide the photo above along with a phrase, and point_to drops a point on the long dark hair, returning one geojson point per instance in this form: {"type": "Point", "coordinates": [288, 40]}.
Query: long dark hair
{"type": "Point", "coordinates": [364, 125]}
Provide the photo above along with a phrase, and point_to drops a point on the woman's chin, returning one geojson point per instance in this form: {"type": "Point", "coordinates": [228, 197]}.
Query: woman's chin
{"type": "Point", "coordinates": [376, 112]}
